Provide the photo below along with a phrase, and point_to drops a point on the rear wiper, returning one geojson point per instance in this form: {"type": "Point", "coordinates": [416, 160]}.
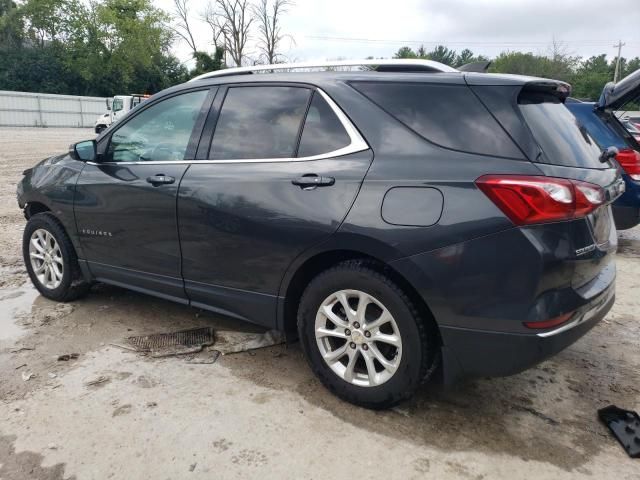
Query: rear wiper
{"type": "Point", "coordinates": [608, 154]}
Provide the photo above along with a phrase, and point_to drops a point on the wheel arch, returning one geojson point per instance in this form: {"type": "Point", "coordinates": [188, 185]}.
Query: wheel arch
{"type": "Point", "coordinates": [315, 264]}
{"type": "Point", "coordinates": [33, 208]}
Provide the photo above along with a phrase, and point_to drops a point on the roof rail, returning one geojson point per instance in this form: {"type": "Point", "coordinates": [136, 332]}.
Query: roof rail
{"type": "Point", "coordinates": [380, 65]}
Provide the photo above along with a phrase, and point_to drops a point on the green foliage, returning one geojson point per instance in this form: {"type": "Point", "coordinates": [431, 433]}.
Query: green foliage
{"type": "Point", "coordinates": [440, 54]}
{"type": "Point", "coordinates": [11, 25]}
{"type": "Point", "coordinates": [208, 63]}
{"type": "Point", "coordinates": [100, 48]}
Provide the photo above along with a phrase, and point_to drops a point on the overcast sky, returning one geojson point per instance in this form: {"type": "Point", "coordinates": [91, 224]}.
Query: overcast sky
{"type": "Point", "coordinates": [353, 29]}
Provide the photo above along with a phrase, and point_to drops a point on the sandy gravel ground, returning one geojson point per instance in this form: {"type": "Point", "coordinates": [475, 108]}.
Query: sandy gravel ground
{"type": "Point", "coordinates": [262, 414]}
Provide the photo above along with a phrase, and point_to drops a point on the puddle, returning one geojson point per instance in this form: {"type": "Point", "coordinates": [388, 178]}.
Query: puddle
{"type": "Point", "coordinates": [14, 303]}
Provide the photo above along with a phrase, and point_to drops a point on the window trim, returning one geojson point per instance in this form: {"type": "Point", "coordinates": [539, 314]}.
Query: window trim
{"type": "Point", "coordinates": [357, 143]}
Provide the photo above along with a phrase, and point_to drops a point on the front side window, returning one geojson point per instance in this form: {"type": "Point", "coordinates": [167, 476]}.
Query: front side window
{"type": "Point", "coordinates": [259, 122]}
{"type": "Point", "coordinates": [159, 133]}
{"type": "Point", "coordinates": [322, 132]}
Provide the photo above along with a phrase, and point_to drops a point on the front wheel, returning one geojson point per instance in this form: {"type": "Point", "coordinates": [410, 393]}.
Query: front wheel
{"type": "Point", "coordinates": [363, 337]}
{"type": "Point", "coordinates": [51, 259]}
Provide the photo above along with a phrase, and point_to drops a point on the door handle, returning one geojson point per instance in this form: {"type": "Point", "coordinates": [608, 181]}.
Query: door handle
{"type": "Point", "coordinates": [160, 179]}
{"type": "Point", "coordinates": [311, 181]}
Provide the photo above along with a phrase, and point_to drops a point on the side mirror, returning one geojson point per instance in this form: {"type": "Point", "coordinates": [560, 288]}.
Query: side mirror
{"type": "Point", "coordinates": [108, 102]}
{"type": "Point", "coordinates": [608, 154]}
{"type": "Point", "coordinates": [83, 151]}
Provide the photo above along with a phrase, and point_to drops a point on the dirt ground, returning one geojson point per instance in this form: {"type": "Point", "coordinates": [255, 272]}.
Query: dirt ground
{"type": "Point", "coordinates": [262, 414]}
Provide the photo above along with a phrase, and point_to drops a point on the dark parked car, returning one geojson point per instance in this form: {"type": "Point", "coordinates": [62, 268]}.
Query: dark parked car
{"type": "Point", "coordinates": [602, 124]}
{"type": "Point", "coordinates": [401, 222]}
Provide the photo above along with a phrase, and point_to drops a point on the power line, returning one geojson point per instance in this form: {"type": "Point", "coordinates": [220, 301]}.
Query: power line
{"type": "Point", "coordinates": [459, 42]}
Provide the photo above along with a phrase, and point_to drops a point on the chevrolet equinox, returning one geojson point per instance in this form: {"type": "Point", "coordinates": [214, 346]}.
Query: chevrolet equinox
{"type": "Point", "coordinates": [402, 220]}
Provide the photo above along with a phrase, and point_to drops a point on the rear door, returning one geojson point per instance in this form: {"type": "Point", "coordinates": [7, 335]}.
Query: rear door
{"type": "Point", "coordinates": [277, 176]}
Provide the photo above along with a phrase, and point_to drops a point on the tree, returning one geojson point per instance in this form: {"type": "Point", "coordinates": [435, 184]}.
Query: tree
{"type": "Point", "coordinates": [591, 76]}
{"type": "Point", "coordinates": [405, 52]}
{"type": "Point", "coordinates": [443, 55]}
{"type": "Point", "coordinates": [181, 26]}
{"type": "Point", "coordinates": [11, 25]}
{"type": "Point", "coordinates": [210, 17]}
{"type": "Point", "coordinates": [208, 63]}
{"type": "Point", "coordinates": [270, 35]}
{"type": "Point", "coordinates": [95, 48]}
{"type": "Point", "coordinates": [467, 56]}
{"type": "Point", "coordinates": [234, 20]}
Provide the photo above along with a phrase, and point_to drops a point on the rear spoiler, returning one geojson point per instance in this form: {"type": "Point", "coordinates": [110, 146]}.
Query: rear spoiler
{"type": "Point", "coordinates": [616, 95]}
{"type": "Point", "coordinates": [560, 89]}
{"type": "Point", "coordinates": [478, 67]}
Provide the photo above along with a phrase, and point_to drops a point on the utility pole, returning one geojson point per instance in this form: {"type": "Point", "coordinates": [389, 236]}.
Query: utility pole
{"type": "Point", "coordinates": [617, 70]}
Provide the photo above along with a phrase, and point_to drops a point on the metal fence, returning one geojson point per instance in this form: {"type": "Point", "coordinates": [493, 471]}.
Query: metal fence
{"type": "Point", "coordinates": [23, 109]}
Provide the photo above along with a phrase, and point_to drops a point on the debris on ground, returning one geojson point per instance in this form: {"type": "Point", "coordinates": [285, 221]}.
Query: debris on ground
{"type": "Point", "coordinates": [26, 376]}
{"type": "Point", "coordinates": [21, 348]}
{"type": "Point", "coordinates": [230, 341]}
{"type": "Point", "coordinates": [205, 358]}
{"type": "Point", "coordinates": [171, 344]}
{"type": "Point", "coordinates": [20, 366]}
{"type": "Point", "coordinates": [52, 375]}
{"type": "Point", "coordinates": [97, 381]}
{"type": "Point", "coordinates": [68, 356]}
{"type": "Point", "coordinates": [625, 426]}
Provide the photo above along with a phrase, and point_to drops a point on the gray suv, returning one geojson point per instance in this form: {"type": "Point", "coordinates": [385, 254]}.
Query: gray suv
{"type": "Point", "coordinates": [405, 222]}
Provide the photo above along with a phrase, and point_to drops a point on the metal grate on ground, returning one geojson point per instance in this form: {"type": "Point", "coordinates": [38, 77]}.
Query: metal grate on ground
{"type": "Point", "coordinates": [176, 343]}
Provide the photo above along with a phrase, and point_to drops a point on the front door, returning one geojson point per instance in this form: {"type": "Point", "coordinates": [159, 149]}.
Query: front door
{"type": "Point", "coordinates": [280, 175]}
{"type": "Point", "coordinates": [125, 204]}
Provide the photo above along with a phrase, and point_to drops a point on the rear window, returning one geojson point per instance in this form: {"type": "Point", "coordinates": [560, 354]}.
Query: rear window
{"type": "Point", "coordinates": [450, 116]}
{"type": "Point", "coordinates": [259, 122]}
{"type": "Point", "coordinates": [322, 132]}
{"type": "Point", "coordinates": [563, 140]}
{"type": "Point", "coordinates": [603, 134]}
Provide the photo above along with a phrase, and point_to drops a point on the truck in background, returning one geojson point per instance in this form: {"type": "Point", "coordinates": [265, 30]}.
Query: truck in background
{"type": "Point", "coordinates": [117, 107]}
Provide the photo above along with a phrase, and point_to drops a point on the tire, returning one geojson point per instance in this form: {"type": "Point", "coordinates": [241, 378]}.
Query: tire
{"type": "Point", "coordinates": [409, 364]}
{"type": "Point", "coordinates": [65, 282]}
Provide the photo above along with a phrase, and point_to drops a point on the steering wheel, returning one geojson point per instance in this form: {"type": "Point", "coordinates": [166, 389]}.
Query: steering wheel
{"type": "Point", "coordinates": [163, 151]}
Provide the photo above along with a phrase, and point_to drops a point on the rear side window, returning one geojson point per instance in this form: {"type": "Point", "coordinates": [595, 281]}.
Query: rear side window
{"type": "Point", "coordinates": [450, 116]}
{"type": "Point", "coordinates": [563, 140]}
{"type": "Point", "coordinates": [259, 122]}
{"type": "Point", "coordinates": [322, 132]}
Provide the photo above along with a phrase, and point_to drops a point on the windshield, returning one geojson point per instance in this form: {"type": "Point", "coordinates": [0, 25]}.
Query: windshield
{"type": "Point", "coordinates": [117, 104]}
{"type": "Point", "coordinates": [563, 140]}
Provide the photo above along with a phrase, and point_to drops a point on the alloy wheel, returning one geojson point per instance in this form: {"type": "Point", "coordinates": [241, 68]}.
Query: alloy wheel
{"type": "Point", "coordinates": [358, 338]}
{"type": "Point", "coordinates": [46, 259]}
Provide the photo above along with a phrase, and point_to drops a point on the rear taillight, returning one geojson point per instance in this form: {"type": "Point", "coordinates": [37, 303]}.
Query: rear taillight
{"type": "Point", "coordinates": [531, 199]}
{"type": "Point", "coordinates": [629, 160]}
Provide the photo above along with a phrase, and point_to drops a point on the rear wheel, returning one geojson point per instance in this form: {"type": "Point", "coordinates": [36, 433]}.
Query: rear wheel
{"type": "Point", "coordinates": [363, 337]}
{"type": "Point", "coordinates": [51, 259]}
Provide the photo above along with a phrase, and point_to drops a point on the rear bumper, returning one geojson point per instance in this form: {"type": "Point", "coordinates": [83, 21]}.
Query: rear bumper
{"type": "Point", "coordinates": [472, 353]}
{"type": "Point", "coordinates": [482, 293]}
